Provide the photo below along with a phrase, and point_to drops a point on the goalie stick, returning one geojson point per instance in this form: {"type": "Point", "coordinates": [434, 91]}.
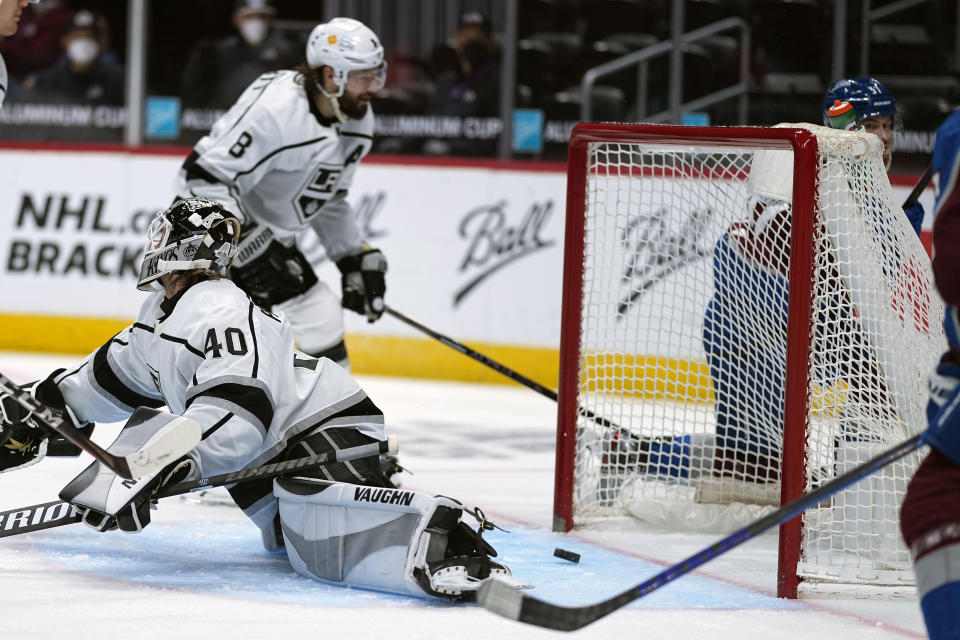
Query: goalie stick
{"type": "Point", "coordinates": [510, 603]}
{"type": "Point", "coordinates": [151, 457]}
{"type": "Point", "coordinates": [57, 514]}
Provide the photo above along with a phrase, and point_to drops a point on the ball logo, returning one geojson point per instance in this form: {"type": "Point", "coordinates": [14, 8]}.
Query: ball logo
{"type": "Point", "coordinates": [656, 244]}
{"type": "Point", "coordinates": [493, 242]}
{"type": "Point", "coordinates": [332, 39]}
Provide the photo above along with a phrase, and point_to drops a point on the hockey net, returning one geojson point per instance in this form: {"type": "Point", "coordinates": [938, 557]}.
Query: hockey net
{"type": "Point", "coordinates": [747, 313]}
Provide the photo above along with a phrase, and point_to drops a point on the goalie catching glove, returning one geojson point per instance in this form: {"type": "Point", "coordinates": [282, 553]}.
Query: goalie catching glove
{"type": "Point", "coordinates": [25, 440]}
{"type": "Point", "coordinates": [105, 500]}
{"type": "Point", "coordinates": [363, 283]}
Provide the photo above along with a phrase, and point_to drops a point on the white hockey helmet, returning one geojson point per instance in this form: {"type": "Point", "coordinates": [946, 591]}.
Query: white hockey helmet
{"type": "Point", "coordinates": [346, 45]}
{"type": "Point", "coordinates": [194, 233]}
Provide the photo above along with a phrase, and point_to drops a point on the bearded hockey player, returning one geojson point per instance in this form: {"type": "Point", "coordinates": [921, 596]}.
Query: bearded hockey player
{"type": "Point", "coordinates": [283, 158]}
{"type": "Point", "coordinates": [9, 21]}
{"type": "Point", "coordinates": [201, 347]}
{"type": "Point", "coordinates": [930, 514]}
{"type": "Point", "coordinates": [877, 113]}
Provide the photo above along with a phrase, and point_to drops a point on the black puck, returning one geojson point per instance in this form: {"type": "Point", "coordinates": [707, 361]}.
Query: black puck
{"type": "Point", "coordinates": [566, 555]}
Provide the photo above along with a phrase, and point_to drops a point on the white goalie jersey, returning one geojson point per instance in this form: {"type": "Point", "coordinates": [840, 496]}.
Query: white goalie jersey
{"type": "Point", "coordinates": [274, 159]}
{"type": "Point", "coordinates": [213, 356]}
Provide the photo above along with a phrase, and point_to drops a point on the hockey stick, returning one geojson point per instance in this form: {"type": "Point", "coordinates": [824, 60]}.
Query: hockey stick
{"type": "Point", "coordinates": [152, 457]}
{"type": "Point", "coordinates": [508, 602]}
{"type": "Point", "coordinates": [499, 368]}
{"type": "Point", "coordinates": [918, 188]}
{"type": "Point", "coordinates": [57, 513]}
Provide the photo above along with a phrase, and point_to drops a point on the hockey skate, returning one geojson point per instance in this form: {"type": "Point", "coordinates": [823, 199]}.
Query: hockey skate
{"type": "Point", "coordinates": [465, 563]}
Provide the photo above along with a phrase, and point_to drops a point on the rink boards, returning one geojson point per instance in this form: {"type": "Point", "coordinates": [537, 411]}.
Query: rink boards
{"type": "Point", "coordinates": [474, 251]}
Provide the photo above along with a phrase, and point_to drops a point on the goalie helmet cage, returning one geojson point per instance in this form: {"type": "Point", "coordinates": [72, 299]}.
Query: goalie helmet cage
{"type": "Point", "coordinates": [707, 372]}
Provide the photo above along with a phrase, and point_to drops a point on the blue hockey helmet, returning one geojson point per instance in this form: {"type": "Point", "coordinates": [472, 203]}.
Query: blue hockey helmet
{"type": "Point", "coordinates": [868, 96]}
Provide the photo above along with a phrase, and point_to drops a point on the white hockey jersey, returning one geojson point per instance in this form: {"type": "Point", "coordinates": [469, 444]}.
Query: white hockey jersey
{"type": "Point", "coordinates": [4, 80]}
{"type": "Point", "coordinates": [212, 355]}
{"type": "Point", "coordinates": [274, 159]}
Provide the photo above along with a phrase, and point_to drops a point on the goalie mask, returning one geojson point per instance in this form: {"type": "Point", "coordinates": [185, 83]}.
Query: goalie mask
{"type": "Point", "coordinates": [191, 234]}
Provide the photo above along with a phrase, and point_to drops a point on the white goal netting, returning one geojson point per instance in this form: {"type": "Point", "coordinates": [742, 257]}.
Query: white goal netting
{"type": "Point", "coordinates": [684, 347]}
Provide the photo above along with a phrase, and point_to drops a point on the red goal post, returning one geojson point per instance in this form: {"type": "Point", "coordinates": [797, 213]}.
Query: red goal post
{"type": "Point", "coordinates": [599, 425]}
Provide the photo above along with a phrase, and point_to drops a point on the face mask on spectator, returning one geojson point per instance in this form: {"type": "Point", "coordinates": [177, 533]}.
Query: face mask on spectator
{"type": "Point", "coordinates": [476, 53]}
{"type": "Point", "coordinates": [254, 30]}
{"type": "Point", "coordinates": [83, 50]}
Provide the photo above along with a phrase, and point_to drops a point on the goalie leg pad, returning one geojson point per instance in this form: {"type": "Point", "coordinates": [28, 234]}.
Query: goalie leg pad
{"type": "Point", "coordinates": [405, 542]}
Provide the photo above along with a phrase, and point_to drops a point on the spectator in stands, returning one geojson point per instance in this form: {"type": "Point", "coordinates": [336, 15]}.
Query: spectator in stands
{"type": "Point", "coordinates": [85, 73]}
{"type": "Point", "coordinates": [217, 72]}
{"type": "Point", "coordinates": [473, 88]}
{"type": "Point", "coordinates": [36, 45]}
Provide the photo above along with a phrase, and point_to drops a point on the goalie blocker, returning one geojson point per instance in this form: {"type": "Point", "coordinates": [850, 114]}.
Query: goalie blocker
{"type": "Point", "coordinates": [405, 542]}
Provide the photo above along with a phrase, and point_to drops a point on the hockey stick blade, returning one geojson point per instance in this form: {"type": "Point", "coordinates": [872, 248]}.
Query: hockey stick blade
{"type": "Point", "coordinates": [57, 514]}
{"type": "Point", "coordinates": [153, 456]}
{"type": "Point", "coordinates": [179, 438]}
{"type": "Point", "coordinates": [510, 603]}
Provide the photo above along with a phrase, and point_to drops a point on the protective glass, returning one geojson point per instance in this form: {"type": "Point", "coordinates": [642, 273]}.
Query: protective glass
{"type": "Point", "coordinates": [360, 80]}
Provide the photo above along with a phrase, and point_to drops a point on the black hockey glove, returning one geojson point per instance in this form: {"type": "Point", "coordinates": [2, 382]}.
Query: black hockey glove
{"type": "Point", "coordinates": [363, 283]}
{"type": "Point", "coordinates": [13, 417]}
{"type": "Point", "coordinates": [136, 497]}
{"type": "Point", "coordinates": [25, 441]}
{"type": "Point", "coordinates": [23, 444]}
{"type": "Point", "coordinates": [276, 275]}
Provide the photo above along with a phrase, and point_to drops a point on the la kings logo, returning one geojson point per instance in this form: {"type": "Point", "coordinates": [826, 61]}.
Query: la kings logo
{"type": "Point", "coordinates": [319, 188]}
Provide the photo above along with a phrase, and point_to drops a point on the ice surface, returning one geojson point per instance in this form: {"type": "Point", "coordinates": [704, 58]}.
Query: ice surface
{"type": "Point", "coordinates": [198, 571]}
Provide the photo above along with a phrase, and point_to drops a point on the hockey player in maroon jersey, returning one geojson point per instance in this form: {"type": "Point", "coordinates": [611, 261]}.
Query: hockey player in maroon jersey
{"type": "Point", "coordinates": [930, 514]}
